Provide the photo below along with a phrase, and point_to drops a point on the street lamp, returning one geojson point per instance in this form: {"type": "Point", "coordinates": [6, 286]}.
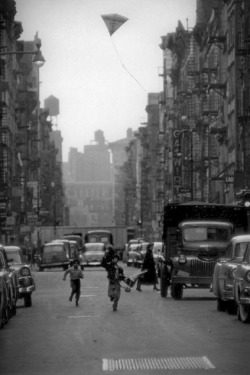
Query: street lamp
{"type": "Point", "coordinates": [38, 58]}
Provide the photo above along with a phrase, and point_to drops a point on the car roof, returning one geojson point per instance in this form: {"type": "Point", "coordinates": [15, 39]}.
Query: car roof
{"type": "Point", "coordinates": [94, 243]}
{"type": "Point", "coordinates": [190, 222]}
{"type": "Point", "coordinates": [241, 238]}
{"type": "Point", "coordinates": [12, 248]}
{"type": "Point", "coordinates": [53, 243]}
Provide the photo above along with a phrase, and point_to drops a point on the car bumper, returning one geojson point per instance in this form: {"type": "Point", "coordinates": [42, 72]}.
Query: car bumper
{"type": "Point", "coordinates": [192, 280]}
{"type": "Point", "coordinates": [51, 265]}
{"type": "Point", "coordinates": [26, 290]}
{"type": "Point", "coordinates": [91, 263]}
{"type": "Point", "coordinates": [244, 297]}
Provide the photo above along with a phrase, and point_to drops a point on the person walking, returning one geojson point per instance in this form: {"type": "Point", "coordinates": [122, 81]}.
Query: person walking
{"type": "Point", "coordinates": [115, 275]}
{"type": "Point", "coordinates": [75, 282]}
{"type": "Point", "coordinates": [150, 277]}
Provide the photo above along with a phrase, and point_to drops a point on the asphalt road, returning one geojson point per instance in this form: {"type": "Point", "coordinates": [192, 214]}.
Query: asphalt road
{"type": "Point", "coordinates": [147, 335]}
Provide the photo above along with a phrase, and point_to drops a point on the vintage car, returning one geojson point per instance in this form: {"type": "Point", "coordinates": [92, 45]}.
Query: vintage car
{"type": "Point", "coordinates": [223, 276]}
{"type": "Point", "coordinates": [54, 254]}
{"type": "Point", "coordinates": [242, 287]}
{"type": "Point", "coordinates": [26, 284]}
{"type": "Point", "coordinates": [133, 254]}
{"type": "Point", "coordinates": [9, 282]}
{"type": "Point", "coordinates": [75, 237]}
{"type": "Point", "coordinates": [93, 254]}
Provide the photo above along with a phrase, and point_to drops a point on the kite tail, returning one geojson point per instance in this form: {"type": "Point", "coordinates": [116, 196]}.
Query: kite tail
{"type": "Point", "coordinates": [126, 68]}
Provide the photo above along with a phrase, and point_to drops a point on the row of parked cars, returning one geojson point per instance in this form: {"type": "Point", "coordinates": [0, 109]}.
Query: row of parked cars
{"type": "Point", "coordinates": [16, 282]}
{"type": "Point", "coordinates": [64, 251]}
{"type": "Point", "coordinates": [231, 279]}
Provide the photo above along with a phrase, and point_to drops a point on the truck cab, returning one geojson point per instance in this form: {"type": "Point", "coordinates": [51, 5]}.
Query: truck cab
{"type": "Point", "coordinates": [195, 237]}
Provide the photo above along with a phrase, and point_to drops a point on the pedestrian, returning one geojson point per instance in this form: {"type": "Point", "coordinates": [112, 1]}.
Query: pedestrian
{"type": "Point", "coordinates": [75, 282]}
{"type": "Point", "coordinates": [150, 277]}
{"type": "Point", "coordinates": [115, 275]}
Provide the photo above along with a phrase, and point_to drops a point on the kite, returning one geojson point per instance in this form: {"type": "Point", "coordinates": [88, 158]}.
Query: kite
{"type": "Point", "coordinates": [113, 22]}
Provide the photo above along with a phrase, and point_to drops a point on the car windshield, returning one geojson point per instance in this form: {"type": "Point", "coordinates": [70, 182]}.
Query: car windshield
{"type": "Point", "coordinates": [240, 249]}
{"type": "Point", "coordinates": [53, 249]}
{"type": "Point", "coordinates": [103, 239]}
{"type": "Point", "coordinates": [95, 247]}
{"type": "Point", "coordinates": [191, 234]}
{"type": "Point", "coordinates": [15, 257]}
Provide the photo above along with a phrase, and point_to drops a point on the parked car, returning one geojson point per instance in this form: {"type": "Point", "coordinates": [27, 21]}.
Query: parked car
{"type": "Point", "coordinates": [242, 287]}
{"type": "Point", "coordinates": [93, 253]}
{"type": "Point", "coordinates": [133, 254]}
{"type": "Point", "coordinates": [26, 284]}
{"type": "Point", "coordinates": [9, 282]}
{"type": "Point", "coordinates": [75, 237]}
{"type": "Point", "coordinates": [54, 254]}
{"type": "Point", "coordinates": [223, 276]}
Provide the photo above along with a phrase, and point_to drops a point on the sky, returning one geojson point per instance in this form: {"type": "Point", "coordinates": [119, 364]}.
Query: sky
{"type": "Point", "coordinates": [102, 81]}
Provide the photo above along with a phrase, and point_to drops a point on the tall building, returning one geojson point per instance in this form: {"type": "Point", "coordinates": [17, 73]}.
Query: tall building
{"type": "Point", "coordinates": [90, 185]}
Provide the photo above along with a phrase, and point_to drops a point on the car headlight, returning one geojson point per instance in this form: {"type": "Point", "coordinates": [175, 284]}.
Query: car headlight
{"type": "Point", "coordinates": [247, 276]}
{"type": "Point", "coordinates": [233, 272]}
{"type": "Point", "coordinates": [25, 271]}
{"type": "Point", "coordinates": [182, 259]}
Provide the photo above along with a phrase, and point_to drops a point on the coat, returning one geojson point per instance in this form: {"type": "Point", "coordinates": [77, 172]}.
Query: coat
{"type": "Point", "coordinates": [149, 277]}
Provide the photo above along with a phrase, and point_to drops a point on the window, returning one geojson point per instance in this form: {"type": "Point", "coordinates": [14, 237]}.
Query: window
{"type": "Point", "coordinates": [206, 234]}
{"type": "Point", "coordinates": [240, 249]}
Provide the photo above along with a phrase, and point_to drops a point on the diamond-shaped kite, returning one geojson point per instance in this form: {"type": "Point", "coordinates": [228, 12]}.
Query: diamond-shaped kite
{"type": "Point", "coordinates": [113, 22]}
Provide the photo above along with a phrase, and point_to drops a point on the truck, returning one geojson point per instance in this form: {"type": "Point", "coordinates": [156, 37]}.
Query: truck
{"type": "Point", "coordinates": [195, 236]}
{"type": "Point", "coordinates": [47, 234]}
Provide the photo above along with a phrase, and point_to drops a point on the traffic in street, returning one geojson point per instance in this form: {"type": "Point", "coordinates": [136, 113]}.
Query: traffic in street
{"type": "Point", "coordinates": [148, 334]}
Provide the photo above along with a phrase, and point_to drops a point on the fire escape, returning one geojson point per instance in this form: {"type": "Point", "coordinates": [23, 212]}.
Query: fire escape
{"type": "Point", "coordinates": [243, 94]}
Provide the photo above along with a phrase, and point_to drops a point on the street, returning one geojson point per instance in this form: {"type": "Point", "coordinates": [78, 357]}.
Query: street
{"type": "Point", "coordinates": [147, 335]}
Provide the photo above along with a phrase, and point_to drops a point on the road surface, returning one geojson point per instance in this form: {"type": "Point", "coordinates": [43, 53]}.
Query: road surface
{"type": "Point", "coordinates": [147, 335]}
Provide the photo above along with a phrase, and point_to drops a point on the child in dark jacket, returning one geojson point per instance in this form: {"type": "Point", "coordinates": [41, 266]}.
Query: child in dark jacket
{"type": "Point", "coordinates": [115, 275]}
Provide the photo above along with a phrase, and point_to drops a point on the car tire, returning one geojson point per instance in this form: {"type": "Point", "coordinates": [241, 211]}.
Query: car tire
{"type": "Point", "coordinates": [41, 269]}
{"type": "Point", "coordinates": [128, 264]}
{"type": "Point", "coordinates": [82, 268]}
{"type": "Point", "coordinates": [27, 300]}
{"type": "Point", "coordinates": [164, 282]}
{"type": "Point", "coordinates": [177, 291]}
{"type": "Point", "coordinates": [221, 305]}
{"type": "Point", "coordinates": [244, 313]}
{"type": "Point", "coordinates": [3, 311]}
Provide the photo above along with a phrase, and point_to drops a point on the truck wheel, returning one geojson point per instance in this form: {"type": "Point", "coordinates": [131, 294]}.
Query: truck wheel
{"type": "Point", "coordinates": [221, 305]}
{"type": "Point", "coordinates": [27, 300]}
{"type": "Point", "coordinates": [244, 313]}
{"type": "Point", "coordinates": [177, 291]}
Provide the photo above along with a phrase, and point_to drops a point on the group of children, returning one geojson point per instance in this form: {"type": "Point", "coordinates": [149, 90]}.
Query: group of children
{"type": "Point", "coordinates": [115, 275]}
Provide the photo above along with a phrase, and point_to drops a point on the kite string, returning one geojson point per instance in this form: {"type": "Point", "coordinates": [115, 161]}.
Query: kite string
{"type": "Point", "coordinates": [125, 67]}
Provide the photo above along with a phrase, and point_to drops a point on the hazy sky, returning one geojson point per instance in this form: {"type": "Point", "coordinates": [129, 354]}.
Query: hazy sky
{"type": "Point", "coordinates": [101, 81]}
